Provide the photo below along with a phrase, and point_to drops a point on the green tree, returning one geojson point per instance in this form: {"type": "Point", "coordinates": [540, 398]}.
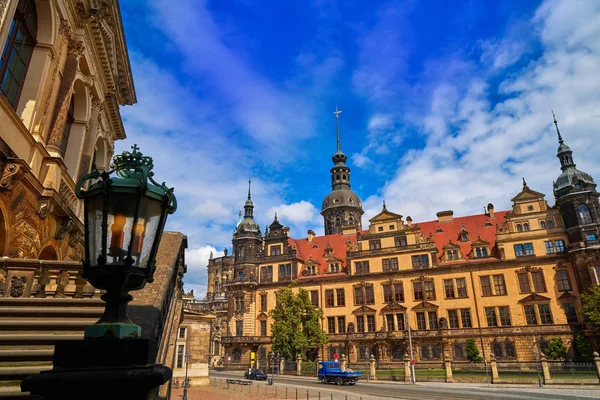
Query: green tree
{"type": "Point", "coordinates": [556, 349]}
{"type": "Point", "coordinates": [296, 324]}
{"type": "Point", "coordinates": [583, 348]}
{"type": "Point", "coordinates": [591, 307]}
{"type": "Point", "coordinates": [472, 351]}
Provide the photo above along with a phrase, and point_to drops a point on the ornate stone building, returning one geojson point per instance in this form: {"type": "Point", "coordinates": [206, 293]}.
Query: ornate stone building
{"type": "Point", "coordinates": [510, 279]}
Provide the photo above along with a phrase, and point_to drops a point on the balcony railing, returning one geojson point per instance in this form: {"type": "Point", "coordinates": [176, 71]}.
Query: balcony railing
{"type": "Point", "coordinates": [392, 250]}
{"type": "Point", "coordinates": [245, 339]}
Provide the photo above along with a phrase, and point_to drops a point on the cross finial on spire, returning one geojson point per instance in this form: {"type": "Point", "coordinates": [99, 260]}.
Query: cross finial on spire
{"type": "Point", "coordinates": [384, 205]}
{"type": "Point", "coordinates": [135, 148]}
{"type": "Point", "coordinates": [524, 183]}
{"type": "Point", "coordinates": [249, 183]}
{"type": "Point", "coordinates": [275, 216]}
{"type": "Point", "coordinates": [337, 127]}
{"type": "Point", "coordinates": [560, 139]}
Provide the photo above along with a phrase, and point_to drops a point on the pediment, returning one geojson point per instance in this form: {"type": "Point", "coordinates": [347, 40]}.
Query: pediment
{"type": "Point", "coordinates": [393, 307]}
{"type": "Point", "coordinates": [567, 296]}
{"type": "Point", "coordinates": [534, 298]}
{"type": "Point", "coordinates": [386, 215]}
{"type": "Point", "coordinates": [262, 316]}
{"type": "Point", "coordinates": [480, 242]}
{"type": "Point", "coordinates": [364, 310]}
{"type": "Point", "coordinates": [425, 305]}
{"type": "Point", "coordinates": [451, 246]}
{"type": "Point", "coordinates": [527, 195]}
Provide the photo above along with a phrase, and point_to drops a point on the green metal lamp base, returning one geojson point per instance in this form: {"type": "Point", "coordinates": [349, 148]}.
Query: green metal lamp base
{"type": "Point", "coordinates": [117, 330]}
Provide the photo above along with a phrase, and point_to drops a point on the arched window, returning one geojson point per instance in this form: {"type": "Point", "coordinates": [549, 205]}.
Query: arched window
{"type": "Point", "coordinates": [550, 224]}
{"type": "Point", "coordinates": [584, 214]}
{"type": "Point", "coordinates": [237, 355]}
{"type": "Point", "coordinates": [344, 177]}
{"type": "Point", "coordinates": [525, 226]}
{"type": "Point", "coordinates": [542, 225]}
{"type": "Point", "coordinates": [67, 129]}
{"type": "Point", "coordinates": [337, 177]}
{"type": "Point", "coordinates": [519, 228]}
{"type": "Point", "coordinates": [17, 51]}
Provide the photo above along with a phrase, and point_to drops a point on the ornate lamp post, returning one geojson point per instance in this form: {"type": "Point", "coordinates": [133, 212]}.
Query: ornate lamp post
{"type": "Point", "coordinates": [186, 383]}
{"type": "Point", "coordinates": [125, 211]}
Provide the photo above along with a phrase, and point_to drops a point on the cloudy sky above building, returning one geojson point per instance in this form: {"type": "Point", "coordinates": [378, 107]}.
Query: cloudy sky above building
{"type": "Point", "coordinates": [446, 105]}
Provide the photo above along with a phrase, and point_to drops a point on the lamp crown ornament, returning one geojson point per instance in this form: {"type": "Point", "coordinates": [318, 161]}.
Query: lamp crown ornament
{"type": "Point", "coordinates": [132, 164]}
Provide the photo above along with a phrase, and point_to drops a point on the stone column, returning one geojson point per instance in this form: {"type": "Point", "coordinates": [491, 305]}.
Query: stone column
{"type": "Point", "coordinates": [448, 367]}
{"type": "Point", "coordinates": [407, 369]}
{"type": "Point", "coordinates": [298, 364]}
{"type": "Point", "coordinates": [343, 362]}
{"type": "Point", "coordinates": [281, 366]}
{"type": "Point", "coordinates": [597, 362]}
{"type": "Point", "coordinates": [372, 367]}
{"type": "Point", "coordinates": [90, 141]}
{"type": "Point", "coordinates": [63, 97]}
{"type": "Point", "coordinates": [494, 367]}
{"type": "Point", "coordinates": [545, 369]}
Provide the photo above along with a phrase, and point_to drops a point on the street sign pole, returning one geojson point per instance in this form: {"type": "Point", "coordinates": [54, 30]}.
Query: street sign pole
{"type": "Point", "coordinates": [412, 359]}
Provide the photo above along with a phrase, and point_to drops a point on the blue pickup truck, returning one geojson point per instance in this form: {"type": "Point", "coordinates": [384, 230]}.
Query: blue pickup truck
{"type": "Point", "coordinates": [330, 372]}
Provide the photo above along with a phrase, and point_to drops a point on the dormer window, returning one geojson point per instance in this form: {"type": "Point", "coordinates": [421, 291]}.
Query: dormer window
{"type": "Point", "coordinates": [452, 255]}
{"type": "Point", "coordinates": [400, 241]}
{"type": "Point", "coordinates": [542, 225]}
{"type": "Point", "coordinates": [374, 244]}
{"type": "Point", "coordinates": [525, 226]}
{"type": "Point", "coordinates": [275, 250]}
{"type": "Point", "coordinates": [519, 228]}
{"type": "Point", "coordinates": [334, 268]}
{"type": "Point", "coordinates": [380, 229]}
{"type": "Point", "coordinates": [463, 235]}
{"type": "Point", "coordinates": [481, 252]}
{"type": "Point", "coordinates": [311, 270]}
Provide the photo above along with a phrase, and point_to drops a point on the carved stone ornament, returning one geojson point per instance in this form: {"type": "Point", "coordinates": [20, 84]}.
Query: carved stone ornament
{"type": "Point", "coordinates": [74, 239]}
{"type": "Point", "coordinates": [45, 208]}
{"type": "Point", "coordinates": [12, 173]}
{"type": "Point", "coordinates": [65, 227]}
{"type": "Point", "coordinates": [17, 285]}
{"type": "Point", "coordinates": [76, 47]}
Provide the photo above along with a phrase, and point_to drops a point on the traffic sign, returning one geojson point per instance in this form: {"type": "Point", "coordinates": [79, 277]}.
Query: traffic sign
{"type": "Point", "coordinates": [412, 362]}
{"type": "Point", "coordinates": [335, 356]}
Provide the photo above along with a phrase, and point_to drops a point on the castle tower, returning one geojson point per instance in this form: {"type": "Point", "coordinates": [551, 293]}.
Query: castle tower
{"type": "Point", "coordinates": [341, 207]}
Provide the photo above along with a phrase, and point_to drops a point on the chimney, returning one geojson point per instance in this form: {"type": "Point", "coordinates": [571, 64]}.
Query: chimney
{"type": "Point", "coordinates": [286, 231]}
{"type": "Point", "coordinates": [490, 209]}
{"type": "Point", "coordinates": [311, 235]}
{"type": "Point", "coordinates": [409, 221]}
{"type": "Point", "coordinates": [445, 216]}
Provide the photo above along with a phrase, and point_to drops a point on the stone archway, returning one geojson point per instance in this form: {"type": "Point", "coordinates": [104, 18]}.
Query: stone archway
{"type": "Point", "coordinates": [48, 253]}
{"type": "Point", "coordinates": [3, 233]}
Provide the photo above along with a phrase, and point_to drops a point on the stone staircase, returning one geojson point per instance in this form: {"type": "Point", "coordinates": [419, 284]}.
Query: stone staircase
{"type": "Point", "coordinates": [29, 328]}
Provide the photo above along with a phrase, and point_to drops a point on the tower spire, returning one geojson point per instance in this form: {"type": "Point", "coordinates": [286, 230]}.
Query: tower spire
{"type": "Point", "coordinates": [560, 139]}
{"type": "Point", "coordinates": [249, 183]}
{"type": "Point", "coordinates": [337, 128]}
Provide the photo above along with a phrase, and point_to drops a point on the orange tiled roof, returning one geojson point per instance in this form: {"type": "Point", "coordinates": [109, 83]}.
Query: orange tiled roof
{"type": "Point", "coordinates": [475, 225]}
{"type": "Point", "coordinates": [315, 249]}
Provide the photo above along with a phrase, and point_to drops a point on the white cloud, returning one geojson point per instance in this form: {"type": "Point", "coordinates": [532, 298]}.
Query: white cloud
{"type": "Point", "coordinates": [301, 211]}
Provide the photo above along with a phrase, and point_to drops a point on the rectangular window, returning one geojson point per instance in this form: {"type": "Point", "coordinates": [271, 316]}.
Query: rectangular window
{"type": "Point", "coordinates": [400, 321]}
{"type": "Point", "coordinates": [528, 249]}
{"type": "Point", "coordinates": [329, 298]}
{"type": "Point", "coordinates": [459, 351]}
{"type": "Point", "coordinates": [263, 328]}
{"type": "Point", "coordinates": [545, 315]}
{"type": "Point", "coordinates": [504, 316]}
{"type": "Point", "coordinates": [421, 324]}
{"type": "Point", "coordinates": [180, 355]}
{"type": "Point", "coordinates": [530, 315]}
{"type": "Point", "coordinates": [562, 280]}
{"type": "Point", "coordinates": [358, 296]}
{"type": "Point", "coordinates": [433, 320]}
{"type": "Point", "coordinates": [539, 286]}
{"type": "Point", "coordinates": [549, 247]}
{"type": "Point", "coordinates": [400, 241]}
{"type": "Point", "coordinates": [425, 353]}
{"type": "Point", "coordinates": [266, 273]}
{"type": "Point", "coordinates": [461, 288]}
{"type": "Point", "coordinates": [387, 294]}
{"type": "Point", "coordinates": [429, 290]}
{"type": "Point", "coordinates": [341, 324]}
{"type": "Point", "coordinates": [571, 313]}
{"type": "Point", "coordinates": [181, 333]}
{"type": "Point", "coordinates": [285, 272]}
{"type": "Point", "coordinates": [524, 283]}
{"type": "Point", "coordinates": [449, 288]}
{"type": "Point", "coordinates": [465, 315]}
{"type": "Point", "coordinates": [519, 250]}
{"type": "Point", "coordinates": [331, 324]}
{"type": "Point", "coordinates": [361, 267]}
{"type": "Point", "coordinates": [374, 244]}
{"type": "Point", "coordinates": [371, 323]}
{"type": "Point", "coordinates": [390, 264]}
{"type": "Point", "coordinates": [418, 289]}
{"type": "Point", "coordinates": [389, 320]}
{"type": "Point", "coordinates": [490, 315]}
{"type": "Point", "coordinates": [420, 261]}
{"type": "Point", "coordinates": [369, 295]}
{"type": "Point", "coordinates": [341, 299]}
{"type": "Point", "coordinates": [314, 298]}
{"type": "Point", "coordinates": [453, 319]}
{"type": "Point", "coordinates": [486, 286]}
{"type": "Point", "coordinates": [263, 302]}
{"type": "Point", "coordinates": [560, 246]}
{"type": "Point", "coordinates": [239, 328]}
{"type": "Point", "coordinates": [499, 285]}
{"type": "Point", "coordinates": [276, 250]}
{"type": "Point", "coordinates": [399, 292]}
{"type": "Point", "coordinates": [360, 324]}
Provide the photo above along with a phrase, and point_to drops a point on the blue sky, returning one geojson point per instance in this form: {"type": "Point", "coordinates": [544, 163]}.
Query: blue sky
{"type": "Point", "coordinates": [446, 105]}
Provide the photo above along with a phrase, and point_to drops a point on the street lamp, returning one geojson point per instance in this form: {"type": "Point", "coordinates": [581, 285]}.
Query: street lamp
{"type": "Point", "coordinates": [186, 382]}
{"type": "Point", "coordinates": [124, 217]}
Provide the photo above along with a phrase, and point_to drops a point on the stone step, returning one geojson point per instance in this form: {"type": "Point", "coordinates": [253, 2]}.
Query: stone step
{"type": "Point", "coordinates": [37, 339]}
{"type": "Point", "coordinates": [20, 354]}
{"type": "Point", "coordinates": [20, 373]}
{"type": "Point", "coordinates": [20, 324]}
{"type": "Point", "coordinates": [51, 312]}
{"type": "Point", "coordinates": [13, 392]}
{"type": "Point", "coordinates": [11, 302]}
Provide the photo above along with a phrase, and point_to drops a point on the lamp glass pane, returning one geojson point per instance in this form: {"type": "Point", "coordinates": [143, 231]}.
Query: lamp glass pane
{"type": "Point", "coordinates": [121, 212]}
{"type": "Point", "coordinates": [146, 230]}
{"type": "Point", "coordinates": [94, 227]}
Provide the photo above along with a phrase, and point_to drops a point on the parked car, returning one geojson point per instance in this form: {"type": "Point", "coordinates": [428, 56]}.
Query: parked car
{"type": "Point", "coordinates": [255, 374]}
{"type": "Point", "coordinates": [330, 372]}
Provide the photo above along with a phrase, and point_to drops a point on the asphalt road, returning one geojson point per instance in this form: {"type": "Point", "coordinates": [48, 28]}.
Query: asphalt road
{"type": "Point", "coordinates": [430, 390]}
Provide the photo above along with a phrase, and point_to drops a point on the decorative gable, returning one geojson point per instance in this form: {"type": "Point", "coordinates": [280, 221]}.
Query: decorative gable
{"type": "Point", "coordinates": [425, 306]}
{"type": "Point", "coordinates": [527, 195]}
{"type": "Point", "coordinates": [364, 310]}
{"type": "Point", "coordinates": [534, 298]}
